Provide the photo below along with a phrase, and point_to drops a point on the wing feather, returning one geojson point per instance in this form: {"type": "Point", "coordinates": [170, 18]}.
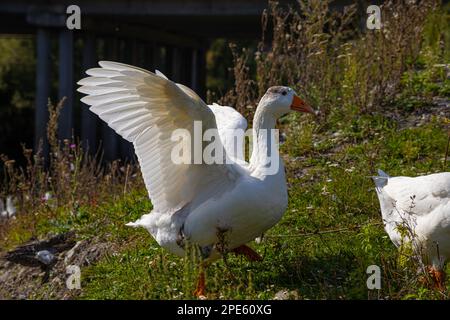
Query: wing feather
{"type": "Point", "coordinates": [145, 108]}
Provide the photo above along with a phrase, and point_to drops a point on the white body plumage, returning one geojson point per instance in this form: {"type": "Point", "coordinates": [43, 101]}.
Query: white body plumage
{"type": "Point", "coordinates": [420, 207]}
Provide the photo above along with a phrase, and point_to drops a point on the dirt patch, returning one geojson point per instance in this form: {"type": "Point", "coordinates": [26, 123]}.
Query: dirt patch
{"type": "Point", "coordinates": [25, 275]}
{"type": "Point", "coordinates": [440, 107]}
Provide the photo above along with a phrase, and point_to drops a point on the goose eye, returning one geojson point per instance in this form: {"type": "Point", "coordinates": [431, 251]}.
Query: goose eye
{"type": "Point", "coordinates": [284, 93]}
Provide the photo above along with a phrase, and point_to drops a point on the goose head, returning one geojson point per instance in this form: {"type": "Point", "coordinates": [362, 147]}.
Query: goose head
{"type": "Point", "coordinates": [280, 100]}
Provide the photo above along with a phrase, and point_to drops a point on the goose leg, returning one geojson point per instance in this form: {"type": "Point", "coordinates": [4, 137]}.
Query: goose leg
{"type": "Point", "coordinates": [201, 283]}
{"type": "Point", "coordinates": [438, 277]}
{"type": "Point", "coordinates": [248, 252]}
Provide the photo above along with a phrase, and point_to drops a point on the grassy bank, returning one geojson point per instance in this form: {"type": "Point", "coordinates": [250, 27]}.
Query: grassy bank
{"type": "Point", "coordinates": [383, 105]}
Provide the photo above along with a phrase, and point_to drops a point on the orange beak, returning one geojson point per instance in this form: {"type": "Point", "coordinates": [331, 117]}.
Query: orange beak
{"type": "Point", "coordinates": [301, 106]}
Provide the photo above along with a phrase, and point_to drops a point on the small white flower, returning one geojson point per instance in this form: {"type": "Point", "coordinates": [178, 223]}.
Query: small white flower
{"type": "Point", "coordinates": [334, 165]}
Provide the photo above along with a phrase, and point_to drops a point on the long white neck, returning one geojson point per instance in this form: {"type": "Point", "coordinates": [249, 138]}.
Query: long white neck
{"type": "Point", "coordinates": [265, 142]}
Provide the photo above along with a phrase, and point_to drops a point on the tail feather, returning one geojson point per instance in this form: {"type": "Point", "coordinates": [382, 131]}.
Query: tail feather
{"type": "Point", "coordinates": [381, 180]}
{"type": "Point", "coordinates": [133, 224]}
{"type": "Point", "coordinates": [381, 173]}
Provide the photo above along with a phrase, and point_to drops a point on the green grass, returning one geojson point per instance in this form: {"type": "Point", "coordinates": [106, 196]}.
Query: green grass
{"type": "Point", "coordinates": [321, 248]}
{"type": "Point", "coordinates": [331, 231]}
{"type": "Point", "coordinates": [329, 235]}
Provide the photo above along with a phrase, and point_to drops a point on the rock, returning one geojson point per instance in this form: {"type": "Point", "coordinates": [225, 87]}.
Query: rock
{"type": "Point", "coordinates": [285, 294]}
{"type": "Point", "coordinates": [46, 257]}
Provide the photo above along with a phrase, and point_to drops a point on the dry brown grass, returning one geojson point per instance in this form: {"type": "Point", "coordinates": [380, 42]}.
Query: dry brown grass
{"type": "Point", "coordinates": [328, 57]}
{"type": "Point", "coordinates": [70, 176]}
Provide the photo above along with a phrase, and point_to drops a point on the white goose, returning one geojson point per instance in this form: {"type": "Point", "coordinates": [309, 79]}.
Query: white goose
{"type": "Point", "coordinates": [417, 210]}
{"type": "Point", "coordinates": [201, 203]}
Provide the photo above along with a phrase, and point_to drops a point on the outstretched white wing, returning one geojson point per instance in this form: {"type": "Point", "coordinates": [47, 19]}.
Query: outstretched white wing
{"type": "Point", "coordinates": [146, 108]}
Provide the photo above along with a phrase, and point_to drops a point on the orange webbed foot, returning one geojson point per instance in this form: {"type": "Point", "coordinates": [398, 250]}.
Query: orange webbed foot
{"type": "Point", "coordinates": [201, 286]}
{"type": "Point", "coordinates": [248, 252]}
{"type": "Point", "coordinates": [438, 277]}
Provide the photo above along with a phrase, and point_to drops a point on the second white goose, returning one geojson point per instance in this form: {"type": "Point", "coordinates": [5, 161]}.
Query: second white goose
{"type": "Point", "coordinates": [417, 211]}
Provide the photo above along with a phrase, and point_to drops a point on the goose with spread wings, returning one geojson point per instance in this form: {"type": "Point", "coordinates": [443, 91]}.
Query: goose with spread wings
{"type": "Point", "coordinates": [195, 202]}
